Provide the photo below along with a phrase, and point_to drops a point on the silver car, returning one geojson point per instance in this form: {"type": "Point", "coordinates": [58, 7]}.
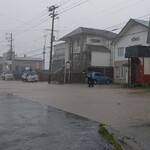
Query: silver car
{"type": "Point", "coordinates": [30, 77]}
{"type": "Point", "coordinates": [7, 75]}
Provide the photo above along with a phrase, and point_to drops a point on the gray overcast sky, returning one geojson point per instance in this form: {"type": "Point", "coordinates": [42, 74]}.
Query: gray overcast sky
{"type": "Point", "coordinates": [28, 19]}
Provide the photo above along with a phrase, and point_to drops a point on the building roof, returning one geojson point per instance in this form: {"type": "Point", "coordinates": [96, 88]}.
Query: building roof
{"type": "Point", "coordinates": [90, 31]}
{"type": "Point", "coordinates": [129, 24]}
{"type": "Point", "coordinates": [28, 58]}
{"type": "Point", "coordinates": [97, 48]}
{"type": "Point", "coordinates": [142, 22]}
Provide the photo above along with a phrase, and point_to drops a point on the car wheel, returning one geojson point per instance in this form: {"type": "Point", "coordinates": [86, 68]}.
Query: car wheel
{"type": "Point", "coordinates": [107, 81]}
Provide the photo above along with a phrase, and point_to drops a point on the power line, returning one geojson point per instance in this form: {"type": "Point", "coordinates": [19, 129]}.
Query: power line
{"type": "Point", "coordinates": [12, 18]}
{"type": "Point", "coordinates": [42, 21]}
{"type": "Point", "coordinates": [33, 26]}
{"type": "Point", "coordinates": [33, 20]}
{"type": "Point", "coordinates": [122, 23]}
{"type": "Point", "coordinates": [89, 20]}
{"type": "Point", "coordinates": [123, 8]}
{"type": "Point", "coordinates": [64, 2]}
{"type": "Point", "coordinates": [75, 5]}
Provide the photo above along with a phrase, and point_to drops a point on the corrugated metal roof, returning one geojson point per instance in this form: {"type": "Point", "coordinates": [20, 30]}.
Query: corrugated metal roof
{"type": "Point", "coordinates": [90, 31]}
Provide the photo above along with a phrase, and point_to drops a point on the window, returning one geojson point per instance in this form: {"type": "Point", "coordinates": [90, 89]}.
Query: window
{"type": "Point", "coordinates": [97, 74]}
{"type": "Point", "coordinates": [95, 40]}
{"type": "Point", "coordinates": [76, 56]}
{"type": "Point", "coordinates": [121, 51]}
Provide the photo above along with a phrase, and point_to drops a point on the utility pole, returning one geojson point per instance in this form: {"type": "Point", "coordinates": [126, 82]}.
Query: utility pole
{"type": "Point", "coordinates": [10, 39]}
{"type": "Point", "coordinates": [148, 36]}
{"type": "Point", "coordinates": [72, 62]}
{"type": "Point", "coordinates": [44, 51]}
{"type": "Point", "coordinates": [53, 15]}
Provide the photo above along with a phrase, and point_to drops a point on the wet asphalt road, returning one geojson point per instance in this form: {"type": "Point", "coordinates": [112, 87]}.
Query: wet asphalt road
{"type": "Point", "coordinates": [27, 125]}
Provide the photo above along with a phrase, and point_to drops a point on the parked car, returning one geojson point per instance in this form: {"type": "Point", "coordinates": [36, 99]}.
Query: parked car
{"type": "Point", "coordinates": [8, 75]}
{"type": "Point", "coordinates": [30, 77]}
{"type": "Point", "coordinates": [100, 78]}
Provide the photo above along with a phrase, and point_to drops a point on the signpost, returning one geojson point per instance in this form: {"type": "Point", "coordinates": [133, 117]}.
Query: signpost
{"type": "Point", "coordinates": [67, 70]}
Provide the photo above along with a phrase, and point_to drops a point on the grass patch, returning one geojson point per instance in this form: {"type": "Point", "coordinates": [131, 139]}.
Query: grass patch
{"type": "Point", "coordinates": [109, 137]}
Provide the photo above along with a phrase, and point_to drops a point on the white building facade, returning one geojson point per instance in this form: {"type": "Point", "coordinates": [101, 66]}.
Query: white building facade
{"type": "Point", "coordinates": [134, 33]}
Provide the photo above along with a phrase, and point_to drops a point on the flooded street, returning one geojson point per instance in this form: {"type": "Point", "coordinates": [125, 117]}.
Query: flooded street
{"type": "Point", "coordinates": [26, 125]}
{"type": "Point", "coordinates": [126, 111]}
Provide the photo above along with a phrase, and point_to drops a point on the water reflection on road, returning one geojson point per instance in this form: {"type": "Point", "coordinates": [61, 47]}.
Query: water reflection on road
{"type": "Point", "coordinates": [26, 125]}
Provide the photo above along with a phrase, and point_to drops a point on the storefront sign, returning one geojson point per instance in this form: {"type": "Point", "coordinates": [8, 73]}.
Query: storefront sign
{"type": "Point", "coordinates": [135, 39]}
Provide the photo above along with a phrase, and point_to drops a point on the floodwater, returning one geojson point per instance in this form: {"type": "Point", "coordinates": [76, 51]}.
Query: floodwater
{"type": "Point", "coordinates": [126, 111]}
{"type": "Point", "coordinates": [26, 125]}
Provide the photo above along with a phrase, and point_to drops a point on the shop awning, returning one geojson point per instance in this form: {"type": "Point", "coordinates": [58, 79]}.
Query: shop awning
{"type": "Point", "coordinates": [137, 51]}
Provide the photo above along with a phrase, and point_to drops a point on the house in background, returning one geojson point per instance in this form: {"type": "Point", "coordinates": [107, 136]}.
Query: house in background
{"type": "Point", "coordinates": [132, 43]}
{"type": "Point", "coordinates": [89, 49]}
{"type": "Point", "coordinates": [12, 62]}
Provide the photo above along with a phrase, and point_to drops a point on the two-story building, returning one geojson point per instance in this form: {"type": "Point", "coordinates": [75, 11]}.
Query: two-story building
{"type": "Point", "coordinates": [131, 53]}
{"type": "Point", "coordinates": [89, 48]}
